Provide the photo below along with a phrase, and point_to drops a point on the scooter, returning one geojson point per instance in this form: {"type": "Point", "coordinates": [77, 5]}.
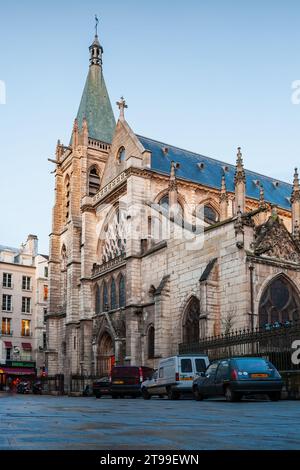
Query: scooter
{"type": "Point", "coordinates": [23, 387]}
{"type": "Point", "coordinates": [37, 388]}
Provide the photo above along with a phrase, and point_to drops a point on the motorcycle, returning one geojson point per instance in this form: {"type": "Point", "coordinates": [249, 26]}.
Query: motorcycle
{"type": "Point", "coordinates": [37, 388]}
{"type": "Point", "coordinates": [23, 387]}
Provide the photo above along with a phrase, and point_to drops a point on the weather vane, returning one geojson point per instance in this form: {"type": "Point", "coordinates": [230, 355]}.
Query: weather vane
{"type": "Point", "coordinates": [96, 24]}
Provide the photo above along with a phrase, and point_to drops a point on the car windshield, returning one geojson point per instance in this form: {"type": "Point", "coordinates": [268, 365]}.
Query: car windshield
{"type": "Point", "coordinates": [253, 365]}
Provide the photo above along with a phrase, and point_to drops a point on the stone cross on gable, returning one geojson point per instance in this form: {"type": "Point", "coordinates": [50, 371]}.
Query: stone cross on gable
{"type": "Point", "coordinates": [122, 105]}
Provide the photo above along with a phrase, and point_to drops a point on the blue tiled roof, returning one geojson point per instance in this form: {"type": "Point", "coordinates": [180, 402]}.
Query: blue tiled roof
{"type": "Point", "coordinates": [276, 192]}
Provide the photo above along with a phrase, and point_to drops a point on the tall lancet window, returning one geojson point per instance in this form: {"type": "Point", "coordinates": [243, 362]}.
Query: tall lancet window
{"type": "Point", "coordinates": [113, 295]}
{"type": "Point", "coordinates": [122, 291]}
{"type": "Point", "coordinates": [94, 181]}
{"type": "Point", "coordinates": [97, 300]}
{"type": "Point", "coordinates": [105, 297]}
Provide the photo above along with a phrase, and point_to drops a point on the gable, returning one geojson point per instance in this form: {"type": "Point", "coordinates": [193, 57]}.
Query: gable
{"type": "Point", "coordinates": [273, 240]}
{"type": "Point", "coordinates": [123, 137]}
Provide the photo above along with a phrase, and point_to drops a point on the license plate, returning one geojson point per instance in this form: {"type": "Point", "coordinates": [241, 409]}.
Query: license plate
{"type": "Point", "coordinates": [118, 382]}
{"type": "Point", "coordinates": [259, 376]}
{"type": "Point", "coordinates": [186, 378]}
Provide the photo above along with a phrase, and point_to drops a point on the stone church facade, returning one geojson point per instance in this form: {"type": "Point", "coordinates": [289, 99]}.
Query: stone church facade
{"type": "Point", "coordinates": [153, 246]}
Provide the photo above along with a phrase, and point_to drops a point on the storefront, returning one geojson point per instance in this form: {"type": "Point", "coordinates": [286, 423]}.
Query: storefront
{"type": "Point", "coordinates": [14, 371]}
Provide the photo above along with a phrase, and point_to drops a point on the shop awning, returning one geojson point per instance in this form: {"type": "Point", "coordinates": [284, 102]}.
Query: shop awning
{"type": "Point", "coordinates": [8, 344]}
{"type": "Point", "coordinates": [26, 347]}
{"type": "Point", "coordinates": [17, 371]}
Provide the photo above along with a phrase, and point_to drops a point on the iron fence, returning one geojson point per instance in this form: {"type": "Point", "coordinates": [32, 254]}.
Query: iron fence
{"type": "Point", "coordinates": [53, 384]}
{"type": "Point", "coordinates": [78, 383]}
{"type": "Point", "coordinates": [274, 342]}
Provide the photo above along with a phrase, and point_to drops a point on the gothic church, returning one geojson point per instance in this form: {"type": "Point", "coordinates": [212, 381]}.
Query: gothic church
{"type": "Point", "coordinates": [126, 290]}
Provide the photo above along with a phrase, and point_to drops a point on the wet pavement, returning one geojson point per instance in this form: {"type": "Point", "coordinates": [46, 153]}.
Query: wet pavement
{"type": "Point", "coordinates": [48, 422]}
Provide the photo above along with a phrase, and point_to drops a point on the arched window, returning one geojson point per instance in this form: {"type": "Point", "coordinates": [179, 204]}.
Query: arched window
{"type": "Point", "coordinates": [122, 291]}
{"type": "Point", "coordinates": [151, 342]}
{"type": "Point", "coordinates": [105, 305]}
{"type": "Point", "coordinates": [121, 155]}
{"type": "Point", "coordinates": [210, 215]}
{"type": "Point", "coordinates": [94, 181]}
{"type": "Point", "coordinates": [67, 198]}
{"type": "Point", "coordinates": [279, 302]}
{"type": "Point", "coordinates": [165, 204]}
{"type": "Point", "coordinates": [97, 300]}
{"type": "Point", "coordinates": [191, 321]}
{"type": "Point", "coordinates": [113, 295]}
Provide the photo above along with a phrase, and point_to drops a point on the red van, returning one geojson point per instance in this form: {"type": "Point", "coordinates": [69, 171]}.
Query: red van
{"type": "Point", "coordinates": [126, 380]}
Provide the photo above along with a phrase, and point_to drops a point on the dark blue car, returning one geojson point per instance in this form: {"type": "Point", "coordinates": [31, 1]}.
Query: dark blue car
{"type": "Point", "coordinates": [237, 377]}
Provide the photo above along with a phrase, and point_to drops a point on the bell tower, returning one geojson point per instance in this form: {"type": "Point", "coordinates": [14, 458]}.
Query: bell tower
{"type": "Point", "coordinates": [79, 169]}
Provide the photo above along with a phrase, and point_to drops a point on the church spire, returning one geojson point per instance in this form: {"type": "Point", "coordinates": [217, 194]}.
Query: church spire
{"type": "Point", "coordinates": [95, 106]}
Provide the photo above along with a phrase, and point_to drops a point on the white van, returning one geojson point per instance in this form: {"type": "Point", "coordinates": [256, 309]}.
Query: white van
{"type": "Point", "coordinates": [174, 376]}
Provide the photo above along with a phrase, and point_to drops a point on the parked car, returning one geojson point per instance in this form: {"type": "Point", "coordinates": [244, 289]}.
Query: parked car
{"type": "Point", "coordinates": [127, 380]}
{"type": "Point", "coordinates": [101, 387]}
{"type": "Point", "coordinates": [174, 376]}
{"type": "Point", "coordinates": [237, 377]}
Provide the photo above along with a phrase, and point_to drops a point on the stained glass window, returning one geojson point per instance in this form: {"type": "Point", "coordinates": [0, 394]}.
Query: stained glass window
{"type": "Point", "coordinates": [279, 302]}
{"type": "Point", "coordinates": [105, 305]}
{"type": "Point", "coordinates": [122, 291]}
{"type": "Point", "coordinates": [113, 295]}
{"type": "Point", "coordinates": [97, 300]}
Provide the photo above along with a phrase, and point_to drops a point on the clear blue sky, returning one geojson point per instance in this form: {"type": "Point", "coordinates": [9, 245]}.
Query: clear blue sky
{"type": "Point", "coordinates": [204, 75]}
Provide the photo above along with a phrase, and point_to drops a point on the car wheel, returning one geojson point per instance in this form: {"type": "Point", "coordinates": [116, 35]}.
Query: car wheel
{"type": "Point", "coordinates": [231, 396]}
{"type": "Point", "coordinates": [172, 395]}
{"type": "Point", "coordinates": [161, 396]}
{"type": "Point", "coordinates": [145, 394]}
{"type": "Point", "coordinates": [275, 396]}
{"type": "Point", "coordinates": [98, 395]}
{"type": "Point", "coordinates": [115, 396]}
{"type": "Point", "coordinates": [197, 395]}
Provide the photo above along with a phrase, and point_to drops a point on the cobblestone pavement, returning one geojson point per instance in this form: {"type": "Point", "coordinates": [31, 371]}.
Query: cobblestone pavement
{"type": "Point", "coordinates": [47, 422]}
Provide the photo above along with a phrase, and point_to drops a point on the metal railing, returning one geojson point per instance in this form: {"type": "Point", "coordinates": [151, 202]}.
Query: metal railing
{"type": "Point", "coordinates": [273, 342]}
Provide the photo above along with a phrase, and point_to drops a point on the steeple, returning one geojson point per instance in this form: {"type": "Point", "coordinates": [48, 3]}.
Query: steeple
{"type": "Point", "coordinates": [95, 105]}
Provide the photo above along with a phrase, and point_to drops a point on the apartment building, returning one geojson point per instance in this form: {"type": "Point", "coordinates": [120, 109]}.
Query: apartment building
{"type": "Point", "coordinates": [23, 307]}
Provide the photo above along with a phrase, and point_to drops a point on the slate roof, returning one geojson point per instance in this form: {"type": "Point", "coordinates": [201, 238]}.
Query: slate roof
{"type": "Point", "coordinates": [9, 248]}
{"type": "Point", "coordinates": [276, 192]}
{"type": "Point", "coordinates": [96, 107]}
